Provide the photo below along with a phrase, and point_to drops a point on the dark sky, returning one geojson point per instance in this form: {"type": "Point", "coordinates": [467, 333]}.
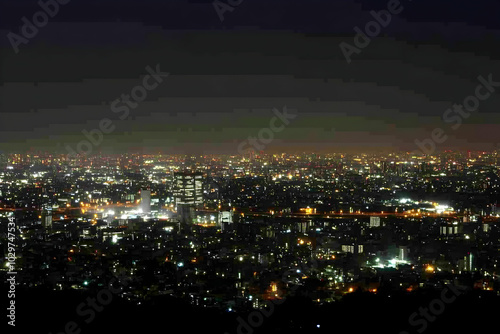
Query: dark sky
{"type": "Point", "coordinates": [226, 77]}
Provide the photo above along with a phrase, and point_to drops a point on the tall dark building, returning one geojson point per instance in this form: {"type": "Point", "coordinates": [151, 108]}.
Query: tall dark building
{"type": "Point", "coordinates": [47, 217]}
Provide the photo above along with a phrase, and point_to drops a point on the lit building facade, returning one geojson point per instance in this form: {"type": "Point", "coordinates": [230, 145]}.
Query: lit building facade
{"type": "Point", "coordinates": [146, 200]}
{"type": "Point", "coordinates": [188, 195]}
{"type": "Point", "coordinates": [188, 189]}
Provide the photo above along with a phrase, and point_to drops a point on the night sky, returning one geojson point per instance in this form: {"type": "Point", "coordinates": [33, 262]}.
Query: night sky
{"type": "Point", "coordinates": [226, 77]}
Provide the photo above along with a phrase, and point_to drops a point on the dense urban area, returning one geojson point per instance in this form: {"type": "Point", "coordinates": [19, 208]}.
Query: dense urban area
{"type": "Point", "coordinates": [231, 235]}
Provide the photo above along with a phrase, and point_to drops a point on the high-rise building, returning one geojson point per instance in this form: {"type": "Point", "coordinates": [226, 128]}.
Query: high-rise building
{"type": "Point", "coordinates": [187, 214]}
{"type": "Point", "coordinates": [403, 253]}
{"type": "Point", "coordinates": [146, 200]}
{"type": "Point", "coordinates": [400, 169]}
{"type": "Point", "coordinates": [383, 167]}
{"type": "Point", "coordinates": [188, 188]}
{"type": "Point", "coordinates": [374, 221]}
{"type": "Point", "coordinates": [224, 219]}
{"type": "Point", "coordinates": [353, 248]}
{"type": "Point", "coordinates": [188, 195]}
{"type": "Point", "coordinates": [47, 217]}
{"type": "Point", "coordinates": [469, 261]}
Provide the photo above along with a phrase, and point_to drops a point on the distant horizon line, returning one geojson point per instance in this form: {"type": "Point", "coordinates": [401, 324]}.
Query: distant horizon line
{"type": "Point", "coordinates": [413, 152]}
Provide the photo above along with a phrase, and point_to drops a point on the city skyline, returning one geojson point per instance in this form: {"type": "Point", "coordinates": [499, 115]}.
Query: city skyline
{"type": "Point", "coordinates": [266, 242]}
